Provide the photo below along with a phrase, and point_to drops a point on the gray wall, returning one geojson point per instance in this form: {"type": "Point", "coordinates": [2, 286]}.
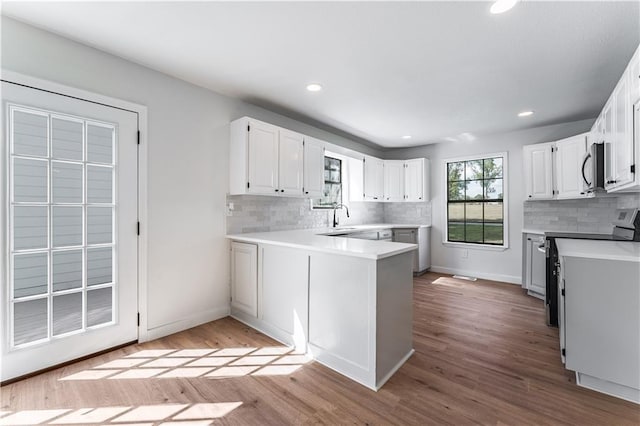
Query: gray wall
{"type": "Point", "coordinates": [188, 137]}
{"type": "Point", "coordinates": [500, 265]}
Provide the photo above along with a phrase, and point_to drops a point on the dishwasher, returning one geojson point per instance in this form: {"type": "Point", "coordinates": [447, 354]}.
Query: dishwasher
{"type": "Point", "coordinates": [421, 237]}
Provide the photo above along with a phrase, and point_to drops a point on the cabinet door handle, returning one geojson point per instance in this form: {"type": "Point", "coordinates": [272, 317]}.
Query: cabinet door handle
{"type": "Point", "coordinates": [529, 196]}
{"type": "Point", "coordinates": [419, 198]}
{"type": "Point", "coordinates": [611, 182]}
{"type": "Point", "coordinates": [282, 190]}
{"type": "Point", "coordinates": [306, 192]}
{"type": "Point", "coordinates": [277, 190]}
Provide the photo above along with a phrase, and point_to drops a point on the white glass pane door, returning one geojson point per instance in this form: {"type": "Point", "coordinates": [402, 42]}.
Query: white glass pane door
{"type": "Point", "coordinates": [72, 203]}
{"type": "Point", "coordinates": [50, 268]}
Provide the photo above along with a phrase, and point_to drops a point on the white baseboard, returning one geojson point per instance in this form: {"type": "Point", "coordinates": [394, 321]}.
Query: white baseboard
{"type": "Point", "coordinates": [511, 279]}
{"type": "Point", "coordinates": [396, 367]}
{"type": "Point", "coordinates": [184, 324]}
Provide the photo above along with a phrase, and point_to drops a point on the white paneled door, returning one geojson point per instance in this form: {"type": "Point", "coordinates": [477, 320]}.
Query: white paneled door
{"type": "Point", "coordinates": [70, 167]}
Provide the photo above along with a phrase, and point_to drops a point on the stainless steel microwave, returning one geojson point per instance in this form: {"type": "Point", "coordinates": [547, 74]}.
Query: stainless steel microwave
{"type": "Point", "coordinates": [593, 168]}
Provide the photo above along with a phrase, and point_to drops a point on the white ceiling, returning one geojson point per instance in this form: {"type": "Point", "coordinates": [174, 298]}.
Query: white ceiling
{"type": "Point", "coordinates": [439, 71]}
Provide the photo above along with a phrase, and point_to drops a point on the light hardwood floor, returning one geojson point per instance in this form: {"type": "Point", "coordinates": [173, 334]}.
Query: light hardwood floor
{"type": "Point", "coordinates": [483, 356]}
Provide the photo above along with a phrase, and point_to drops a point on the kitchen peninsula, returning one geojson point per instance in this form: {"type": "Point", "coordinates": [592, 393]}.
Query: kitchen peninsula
{"type": "Point", "coordinates": [345, 302]}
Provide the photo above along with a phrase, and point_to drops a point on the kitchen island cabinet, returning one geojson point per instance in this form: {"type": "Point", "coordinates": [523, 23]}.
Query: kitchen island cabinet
{"type": "Point", "coordinates": [347, 303]}
{"type": "Point", "coordinates": [599, 296]}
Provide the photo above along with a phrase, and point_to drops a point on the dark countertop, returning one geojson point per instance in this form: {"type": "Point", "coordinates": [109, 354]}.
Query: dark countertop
{"type": "Point", "coordinates": [583, 236]}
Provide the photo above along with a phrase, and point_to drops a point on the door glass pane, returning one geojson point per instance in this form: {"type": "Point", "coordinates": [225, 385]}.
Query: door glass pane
{"type": "Point", "coordinates": [67, 226]}
{"type": "Point", "coordinates": [99, 266]}
{"type": "Point", "coordinates": [67, 269]}
{"type": "Point", "coordinates": [67, 313]}
{"type": "Point", "coordinates": [99, 306]}
{"type": "Point", "coordinates": [67, 182]}
{"type": "Point", "coordinates": [99, 144]}
{"type": "Point", "coordinates": [99, 225]}
{"type": "Point", "coordinates": [99, 184]}
{"type": "Point", "coordinates": [30, 274]}
{"type": "Point", "coordinates": [30, 134]}
{"type": "Point", "coordinates": [29, 321]}
{"type": "Point", "coordinates": [30, 180]}
{"type": "Point", "coordinates": [66, 139]}
{"type": "Point", "coordinates": [30, 227]}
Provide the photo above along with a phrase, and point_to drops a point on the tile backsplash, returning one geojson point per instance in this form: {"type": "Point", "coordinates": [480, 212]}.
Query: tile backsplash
{"type": "Point", "coordinates": [408, 213]}
{"type": "Point", "coordinates": [585, 215]}
{"type": "Point", "coordinates": [256, 213]}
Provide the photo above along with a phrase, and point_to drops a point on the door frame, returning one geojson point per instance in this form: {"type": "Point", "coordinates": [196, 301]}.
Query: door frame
{"type": "Point", "coordinates": [141, 110]}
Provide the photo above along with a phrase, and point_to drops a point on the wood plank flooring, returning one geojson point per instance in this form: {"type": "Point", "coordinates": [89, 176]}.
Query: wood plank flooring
{"type": "Point", "coordinates": [483, 356]}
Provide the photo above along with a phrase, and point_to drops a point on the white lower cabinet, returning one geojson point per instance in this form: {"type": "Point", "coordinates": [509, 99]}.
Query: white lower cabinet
{"type": "Point", "coordinates": [600, 323]}
{"type": "Point", "coordinates": [244, 278]}
{"type": "Point", "coordinates": [534, 265]}
{"type": "Point", "coordinates": [352, 314]}
{"type": "Point", "coordinates": [283, 305]}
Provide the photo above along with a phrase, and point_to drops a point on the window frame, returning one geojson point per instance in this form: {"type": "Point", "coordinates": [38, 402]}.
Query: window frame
{"type": "Point", "coordinates": [505, 202]}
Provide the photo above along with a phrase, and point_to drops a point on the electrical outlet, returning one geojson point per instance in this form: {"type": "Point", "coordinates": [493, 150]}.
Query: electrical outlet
{"type": "Point", "coordinates": [465, 253]}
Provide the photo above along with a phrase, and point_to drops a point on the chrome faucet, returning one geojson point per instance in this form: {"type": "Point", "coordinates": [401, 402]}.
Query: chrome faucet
{"type": "Point", "coordinates": [336, 207]}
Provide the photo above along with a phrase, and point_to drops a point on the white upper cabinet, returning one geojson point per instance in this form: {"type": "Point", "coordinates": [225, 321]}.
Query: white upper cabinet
{"type": "Point", "coordinates": [416, 177]}
{"type": "Point", "coordinates": [568, 165]}
{"type": "Point", "coordinates": [394, 180]}
{"type": "Point", "coordinates": [634, 77]}
{"type": "Point", "coordinates": [313, 167]}
{"type": "Point", "coordinates": [291, 163]}
{"type": "Point", "coordinates": [538, 171]}
{"type": "Point", "coordinates": [265, 159]}
{"type": "Point", "coordinates": [622, 134]}
{"type": "Point", "coordinates": [616, 122]}
{"type": "Point", "coordinates": [373, 179]}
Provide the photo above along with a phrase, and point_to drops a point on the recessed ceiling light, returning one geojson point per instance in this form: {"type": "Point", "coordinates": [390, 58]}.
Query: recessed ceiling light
{"type": "Point", "coordinates": [525, 113]}
{"type": "Point", "coordinates": [501, 6]}
{"type": "Point", "coordinates": [406, 137]}
{"type": "Point", "coordinates": [314, 87]}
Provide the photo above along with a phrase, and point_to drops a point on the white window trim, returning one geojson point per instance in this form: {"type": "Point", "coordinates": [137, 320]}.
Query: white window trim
{"type": "Point", "coordinates": [505, 202]}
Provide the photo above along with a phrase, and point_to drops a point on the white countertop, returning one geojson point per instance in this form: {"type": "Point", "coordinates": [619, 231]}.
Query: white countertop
{"type": "Point", "coordinates": [532, 231]}
{"type": "Point", "coordinates": [312, 239]}
{"type": "Point", "coordinates": [597, 249]}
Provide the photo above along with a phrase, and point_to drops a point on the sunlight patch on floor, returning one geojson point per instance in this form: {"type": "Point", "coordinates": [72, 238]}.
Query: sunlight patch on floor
{"type": "Point", "coordinates": [192, 363]}
{"type": "Point", "coordinates": [199, 414]}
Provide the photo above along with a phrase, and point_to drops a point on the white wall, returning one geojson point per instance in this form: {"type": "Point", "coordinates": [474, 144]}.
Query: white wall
{"type": "Point", "coordinates": [188, 137]}
{"type": "Point", "coordinates": [498, 265]}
